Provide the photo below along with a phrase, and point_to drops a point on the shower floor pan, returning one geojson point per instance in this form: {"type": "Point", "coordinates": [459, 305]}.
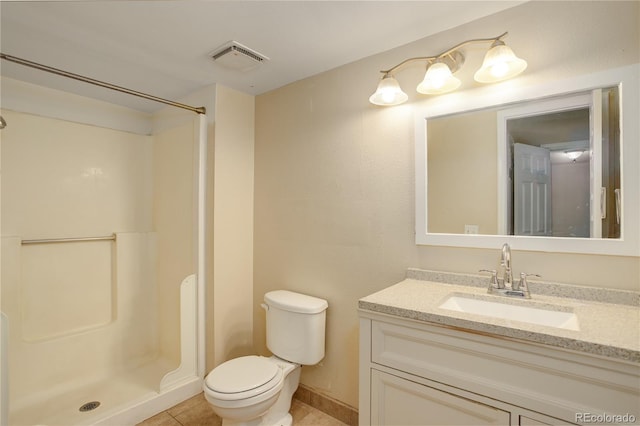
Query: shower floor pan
{"type": "Point", "coordinates": [125, 392]}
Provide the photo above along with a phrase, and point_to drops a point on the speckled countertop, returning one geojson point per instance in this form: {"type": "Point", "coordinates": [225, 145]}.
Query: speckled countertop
{"type": "Point", "coordinates": [606, 329]}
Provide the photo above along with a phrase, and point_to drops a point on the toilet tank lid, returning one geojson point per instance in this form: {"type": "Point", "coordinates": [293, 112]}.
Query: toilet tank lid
{"type": "Point", "coordinates": [295, 302]}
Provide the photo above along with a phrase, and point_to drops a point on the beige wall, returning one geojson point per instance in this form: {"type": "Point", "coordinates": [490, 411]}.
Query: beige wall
{"type": "Point", "coordinates": [232, 225]}
{"type": "Point", "coordinates": [334, 175]}
{"type": "Point", "coordinates": [462, 167]}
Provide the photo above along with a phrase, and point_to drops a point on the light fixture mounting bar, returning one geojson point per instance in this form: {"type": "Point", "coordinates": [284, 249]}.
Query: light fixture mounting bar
{"type": "Point", "coordinates": [442, 54]}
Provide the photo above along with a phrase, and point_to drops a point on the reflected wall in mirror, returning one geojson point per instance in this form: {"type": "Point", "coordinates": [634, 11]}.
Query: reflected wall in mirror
{"type": "Point", "coordinates": [540, 168]}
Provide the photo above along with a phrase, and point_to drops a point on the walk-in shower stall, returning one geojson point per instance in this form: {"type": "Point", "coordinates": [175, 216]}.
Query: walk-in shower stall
{"type": "Point", "coordinates": [102, 258]}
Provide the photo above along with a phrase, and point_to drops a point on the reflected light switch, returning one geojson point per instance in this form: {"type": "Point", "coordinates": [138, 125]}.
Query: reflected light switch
{"type": "Point", "coordinates": [471, 229]}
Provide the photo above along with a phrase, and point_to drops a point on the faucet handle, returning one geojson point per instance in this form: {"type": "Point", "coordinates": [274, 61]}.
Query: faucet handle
{"type": "Point", "coordinates": [523, 285]}
{"type": "Point", "coordinates": [493, 283]}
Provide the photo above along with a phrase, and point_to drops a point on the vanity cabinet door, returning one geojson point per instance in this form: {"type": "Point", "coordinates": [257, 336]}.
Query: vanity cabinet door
{"type": "Point", "coordinates": [397, 401]}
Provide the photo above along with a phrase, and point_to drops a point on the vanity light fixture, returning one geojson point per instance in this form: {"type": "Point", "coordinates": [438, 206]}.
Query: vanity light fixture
{"type": "Point", "coordinates": [389, 92]}
{"type": "Point", "coordinates": [500, 63]}
{"type": "Point", "coordinates": [438, 79]}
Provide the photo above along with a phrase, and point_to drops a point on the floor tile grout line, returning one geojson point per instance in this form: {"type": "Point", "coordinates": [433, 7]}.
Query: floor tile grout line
{"type": "Point", "coordinates": [174, 418]}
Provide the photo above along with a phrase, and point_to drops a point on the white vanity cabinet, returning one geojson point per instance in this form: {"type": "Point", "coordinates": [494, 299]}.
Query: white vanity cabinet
{"type": "Point", "coordinates": [401, 401]}
{"type": "Point", "coordinates": [420, 373]}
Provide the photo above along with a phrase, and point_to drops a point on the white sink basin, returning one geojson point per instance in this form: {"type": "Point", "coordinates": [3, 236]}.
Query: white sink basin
{"type": "Point", "coordinates": [537, 315]}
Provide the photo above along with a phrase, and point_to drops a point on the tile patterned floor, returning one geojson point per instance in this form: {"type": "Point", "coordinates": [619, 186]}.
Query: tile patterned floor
{"type": "Point", "coordinates": [197, 412]}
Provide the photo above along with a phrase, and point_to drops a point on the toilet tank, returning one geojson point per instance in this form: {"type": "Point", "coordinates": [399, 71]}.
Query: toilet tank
{"type": "Point", "coordinates": [295, 326]}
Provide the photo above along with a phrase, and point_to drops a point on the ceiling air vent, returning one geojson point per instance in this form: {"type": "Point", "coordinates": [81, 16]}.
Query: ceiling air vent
{"type": "Point", "coordinates": [237, 57]}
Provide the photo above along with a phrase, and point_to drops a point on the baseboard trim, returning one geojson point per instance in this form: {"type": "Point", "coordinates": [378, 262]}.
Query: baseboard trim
{"type": "Point", "coordinates": [327, 405]}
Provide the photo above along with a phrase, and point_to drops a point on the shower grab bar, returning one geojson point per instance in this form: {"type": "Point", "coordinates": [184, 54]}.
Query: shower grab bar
{"type": "Point", "coordinates": [111, 237]}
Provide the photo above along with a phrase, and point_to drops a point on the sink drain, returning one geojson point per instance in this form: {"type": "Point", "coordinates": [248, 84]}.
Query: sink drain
{"type": "Point", "coordinates": [89, 406]}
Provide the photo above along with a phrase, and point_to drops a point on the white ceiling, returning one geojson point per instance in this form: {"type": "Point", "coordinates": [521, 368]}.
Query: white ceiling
{"type": "Point", "coordinates": [162, 47]}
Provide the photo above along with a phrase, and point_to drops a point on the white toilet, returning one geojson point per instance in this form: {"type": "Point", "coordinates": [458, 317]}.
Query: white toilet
{"type": "Point", "coordinates": [255, 390]}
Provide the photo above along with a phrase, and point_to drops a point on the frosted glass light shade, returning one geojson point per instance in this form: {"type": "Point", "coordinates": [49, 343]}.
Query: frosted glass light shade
{"type": "Point", "coordinates": [388, 93]}
{"type": "Point", "coordinates": [437, 80]}
{"type": "Point", "coordinates": [573, 155]}
{"type": "Point", "coordinates": [500, 63]}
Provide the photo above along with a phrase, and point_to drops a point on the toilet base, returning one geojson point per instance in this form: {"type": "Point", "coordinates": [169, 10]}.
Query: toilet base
{"type": "Point", "coordinates": [286, 420]}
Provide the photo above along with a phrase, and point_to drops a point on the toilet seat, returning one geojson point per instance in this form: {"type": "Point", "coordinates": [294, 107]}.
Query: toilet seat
{"type": "Point", "coordinates": [243, 378]}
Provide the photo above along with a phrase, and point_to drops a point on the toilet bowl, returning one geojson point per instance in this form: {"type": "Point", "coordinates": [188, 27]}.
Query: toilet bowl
{"type": "Point", "coordinates": [257, 391]}
{"type": "Point", "coordinates": [253, 390]}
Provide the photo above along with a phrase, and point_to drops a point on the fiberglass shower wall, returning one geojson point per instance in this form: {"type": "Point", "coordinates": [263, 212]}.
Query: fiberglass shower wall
{"type": "Point", "coordinates": [82, 313]}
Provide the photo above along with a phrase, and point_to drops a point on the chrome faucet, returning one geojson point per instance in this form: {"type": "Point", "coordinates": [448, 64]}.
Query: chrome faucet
{"type": "Point", "coordinates": [506, 286]}
{"type": "Point", "coordinates": [505, 263]}
{"type": "Point", "coordinates": [522, 288]}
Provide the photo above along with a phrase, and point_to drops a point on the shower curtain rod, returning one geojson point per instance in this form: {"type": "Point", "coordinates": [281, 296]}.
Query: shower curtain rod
{"type": "Point", "coordinates": [20, 61]}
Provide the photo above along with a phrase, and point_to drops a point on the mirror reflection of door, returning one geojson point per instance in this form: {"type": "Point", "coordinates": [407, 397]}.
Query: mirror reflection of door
{"type": "Point", "coordinates": [551, 167]}
{"type": "Point", "coordinates": [531, 190]}
{"type": "Point", "coordinates": [582, 181]}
